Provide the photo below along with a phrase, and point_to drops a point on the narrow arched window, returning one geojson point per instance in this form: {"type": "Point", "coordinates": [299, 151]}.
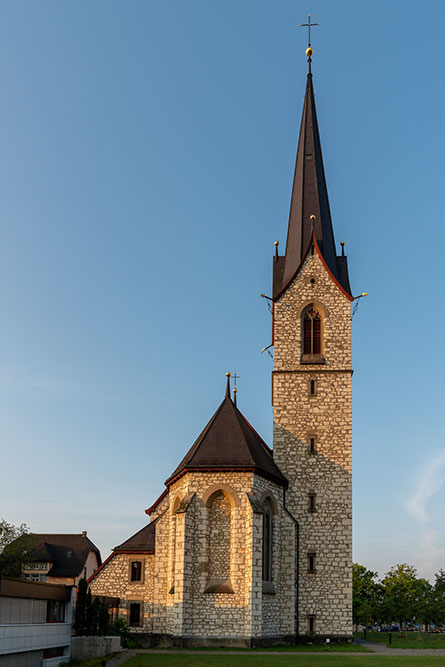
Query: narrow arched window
{"type": "Point", "coordinates": [173, 545]}
{"type": "Point", "coordinates": [312, 332]}
{"type": "Point", "coordinates": [219, 522]}
{"type": "Point", "coordinates": [267, 542]}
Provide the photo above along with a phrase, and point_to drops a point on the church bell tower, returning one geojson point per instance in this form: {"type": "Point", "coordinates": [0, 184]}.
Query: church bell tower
{"type": "Point", "coordinates": [311, 391]}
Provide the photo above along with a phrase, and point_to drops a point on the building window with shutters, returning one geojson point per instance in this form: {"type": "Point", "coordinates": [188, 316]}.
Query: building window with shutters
{"type": "Point", "coordinates": [55, 611]}
{"type": "Point", "coordinates": [312, 343]}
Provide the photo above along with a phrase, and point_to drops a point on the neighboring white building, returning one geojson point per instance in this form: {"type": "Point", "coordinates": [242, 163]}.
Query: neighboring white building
{"type": "Point", "coordinates": [61, 558]}
{"type": "Point", "coordinates": [35, 623]}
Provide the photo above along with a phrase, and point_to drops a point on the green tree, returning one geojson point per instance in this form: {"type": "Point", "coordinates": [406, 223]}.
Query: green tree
{"type": "Point", "coordinates": [95, 611]}
{"type": "Point", "coordinates": [439, 598]}
{"type": "Point", "coordinates": [400, 594]}
{"type": "Point", "coordinates": [17, 546]}
{"type": "Point", "coordinates": [9, 533]}
{"type": "Point", "coordinates": [365, 594]}
{"type": "Point", "coordinates": [90, 616]}
{"type": "Point", "coordinates": [425, 603]}
{"type": "Point", "coordinates": [103, 620]}
{"type": "Point", "coordinates": [80, 613]}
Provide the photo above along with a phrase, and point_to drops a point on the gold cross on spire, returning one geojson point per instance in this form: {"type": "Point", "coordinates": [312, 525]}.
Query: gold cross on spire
{"type": "Point", "coordinates": [235, 390]}
{"type": "Point", "coordinates": [308, 25]}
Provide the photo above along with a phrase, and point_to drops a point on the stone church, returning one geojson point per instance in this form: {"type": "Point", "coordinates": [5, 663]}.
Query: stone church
{"type": "Point", "coordinates": [248, 545]}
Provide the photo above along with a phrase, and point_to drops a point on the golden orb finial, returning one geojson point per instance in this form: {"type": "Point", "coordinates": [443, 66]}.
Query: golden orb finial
{"type": "Point", "coordinates": [309, 51]}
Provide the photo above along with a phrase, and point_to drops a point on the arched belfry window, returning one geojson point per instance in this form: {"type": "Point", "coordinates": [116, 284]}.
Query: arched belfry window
{"type": "Point", "coordinates": [312, 332]}
{"type": "Point", "coordinates": [267, 541]}
{"type": "Point", "coordinates": [312, 325]}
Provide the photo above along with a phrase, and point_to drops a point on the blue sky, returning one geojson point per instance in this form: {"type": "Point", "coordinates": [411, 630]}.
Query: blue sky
{"type": "Point", "coordinates": [146, 158]}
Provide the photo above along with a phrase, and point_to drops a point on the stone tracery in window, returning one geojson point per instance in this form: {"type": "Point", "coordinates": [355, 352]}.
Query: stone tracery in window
{"type": "Point", "coordinates": [312, 335]}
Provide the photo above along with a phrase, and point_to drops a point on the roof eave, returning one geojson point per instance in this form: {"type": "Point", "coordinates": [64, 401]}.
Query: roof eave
{"type": "Point", "coordinates": [134, 551]}
{"type": "Point", "coordinates": [252, 469]}
{"type": "Point", "coordinates": [149, 510]}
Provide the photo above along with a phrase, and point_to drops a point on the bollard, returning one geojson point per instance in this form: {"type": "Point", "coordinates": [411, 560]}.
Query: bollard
{"type": "Point", "coordinates": [390, 638]}
{"type": "Point", "coordinates": [364, 633]}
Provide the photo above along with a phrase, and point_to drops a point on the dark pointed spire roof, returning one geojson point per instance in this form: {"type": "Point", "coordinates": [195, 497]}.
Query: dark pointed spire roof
{"type": "Point", "coordinates": [229, 442]}
{"type": "Point", "coordinates": [309, 198]}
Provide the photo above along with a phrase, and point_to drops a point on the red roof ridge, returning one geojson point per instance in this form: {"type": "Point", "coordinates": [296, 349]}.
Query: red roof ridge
{"type": "Point", "coordinates": [290, 281]}
{"type": "Point", "coordinates": [157, 501]}
{"type": "Point", "coordinates": [107, 560]}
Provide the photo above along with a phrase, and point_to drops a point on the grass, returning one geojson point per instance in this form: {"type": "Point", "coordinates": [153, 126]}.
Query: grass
{"type": "Point", "coordinates": [406, 639]}
{"type": "Point", "coordinates": [213, 660]}
{"type": "Point", "coordinates": [92, 662]}
{"type": "Point", "coordinates": [316, 648]}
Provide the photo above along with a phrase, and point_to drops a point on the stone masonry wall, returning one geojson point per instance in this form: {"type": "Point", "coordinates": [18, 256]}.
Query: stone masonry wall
{"type": "Point", "coordinates": [237, 614]}
{"type": "Point", "coordinates": [209, 532]}
{"type": "Point", "coordinates": [278, 608]}
{"type": "Point", "coordinates": [114, 581]}
{"type": "Point", "coordinates": [215, 614]}
{"type": "Point", "coordinates": [219, 536]}
{"type": "Point", "coordinates": [326, 417]}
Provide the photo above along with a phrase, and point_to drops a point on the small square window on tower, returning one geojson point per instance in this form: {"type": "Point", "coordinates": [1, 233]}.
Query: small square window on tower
{"type": "Point", "coordinates": [311, 624]}
{"type": "Point", "coordinates": [312, 507]}
{"type": "Point", "coordinates": [311, 562]}
{"type": "Point", "coordinates": [312, 444]}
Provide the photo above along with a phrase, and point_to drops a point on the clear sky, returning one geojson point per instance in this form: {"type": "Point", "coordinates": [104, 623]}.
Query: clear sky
{"type": "Point", "coordinates": [146, 159]}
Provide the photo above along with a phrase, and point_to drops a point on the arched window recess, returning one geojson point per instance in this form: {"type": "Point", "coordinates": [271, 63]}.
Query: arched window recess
{"type": "Point", "coordinates": [219, 541]}
{"type": "Point", "coordinates": [268, 586]}
{"type": "Point", "coordinates": [312, 335]}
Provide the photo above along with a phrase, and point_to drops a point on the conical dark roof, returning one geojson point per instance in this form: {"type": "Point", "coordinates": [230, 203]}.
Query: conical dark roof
{"type": "Point", "coordinates": [229, 442]}
{"type": "Point", "coordinates": [309, 198]}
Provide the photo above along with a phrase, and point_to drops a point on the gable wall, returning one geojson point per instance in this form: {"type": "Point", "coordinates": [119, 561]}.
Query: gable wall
{"type": "Point", "coordinates": [114, 581]}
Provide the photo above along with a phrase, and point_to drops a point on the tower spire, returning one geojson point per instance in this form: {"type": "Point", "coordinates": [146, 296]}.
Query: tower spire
{"type": "Point", "coordinates": [309, 209]}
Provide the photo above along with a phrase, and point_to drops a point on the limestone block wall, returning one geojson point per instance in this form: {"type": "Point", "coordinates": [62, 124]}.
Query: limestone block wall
{"type": "Point", "coordinates": [220, 541]}
{"type": "Point", "coordinates": [114, 581]}
{"type": "Point", "coordinates": [205, 580]}
{"type": "Point", "coordinates": [277, 608]}
{"type": "Point", "coordinates": [215, 614]}
{"type": "Point", "coordinates": [325, 417]}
